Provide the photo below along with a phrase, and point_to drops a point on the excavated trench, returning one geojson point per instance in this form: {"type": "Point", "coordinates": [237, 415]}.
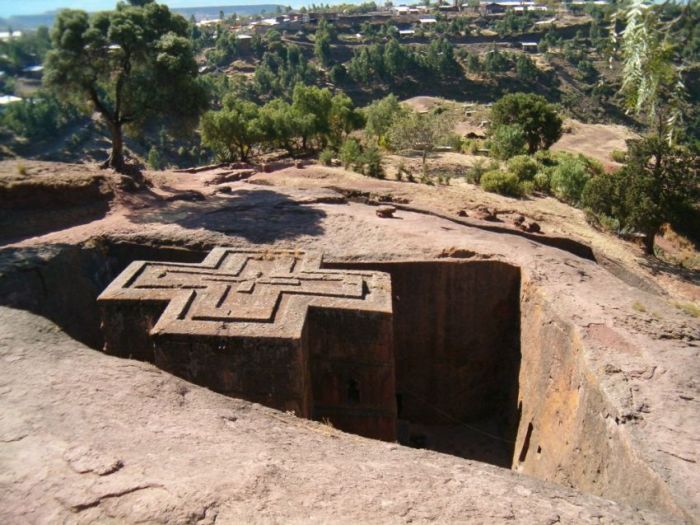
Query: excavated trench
{"type": "Point", "coordinates": [484, 368]}
{"type": "Point", "coordinates": [457, 355]}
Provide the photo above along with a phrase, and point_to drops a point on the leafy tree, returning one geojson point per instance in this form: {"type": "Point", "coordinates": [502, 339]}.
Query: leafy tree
{"type": "Point", "coordinates": [659, 182]}
{"type": "Point", "coordinates": [538, 119]}
{"type": "Point", "coordinates": [396, 59]}
{"type": "Point", "coordinates": [473, 63]}
{"type": "Point", "coordinates": [421, 131]}
{"type": "Point", "coordinates": [371, 160]}
{"type": "Point", "coordinates": [232, 131]}
{"type": "Point", "coordinates": [496, 62]}
{"type": "Point", "coordinates": [312, 106]}
{"type": "Point", "coordinates": [350, 153]}
{"type": "Point", "coordinates": [281, 69]}
{"type": "Point", "coordinates": [440, 57]}
{"type": "Point", "coordinates": [342, 118]}
{"type": "Point", "coordinates": [380, 116]}
{"type": "Point", "coordinates": [28, 49]}
{"type": "Point", "coordinates": [280, 125]}
{"type": "Point", "coordinates": [525, 68]}
{"type": "Point", "coordinates": [338, 74]}
{"type": "Point", "coordinates": [154, 159]}
{"type": "Point", "coordinates": [325, 34]}
{"type": "Point", "coordinates": [322, 49]}
{"type": "Point", "coordinates": [129, 64]}
{"type": "Point", "coordinates": [652, 80]}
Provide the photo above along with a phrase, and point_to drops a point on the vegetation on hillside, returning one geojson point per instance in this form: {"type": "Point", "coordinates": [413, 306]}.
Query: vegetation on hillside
{"type": "Point", "coordinates": [179, 93]}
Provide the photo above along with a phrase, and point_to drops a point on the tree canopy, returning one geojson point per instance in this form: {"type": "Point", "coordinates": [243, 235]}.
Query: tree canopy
{"type": "Point", "coordinates": [130, 64]}
{"type": "Point", "coordinates": [656, 185]}
{"type": "Point", "coordinates": [538, 119]}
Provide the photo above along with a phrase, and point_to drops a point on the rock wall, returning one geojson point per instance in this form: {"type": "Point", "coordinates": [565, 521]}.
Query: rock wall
{"type": "Point", "coordinates": [456, 340]}
{"type": "Point", "coordinates": [569, 433]}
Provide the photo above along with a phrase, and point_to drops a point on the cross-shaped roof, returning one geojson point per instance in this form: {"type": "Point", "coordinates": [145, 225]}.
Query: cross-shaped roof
{"type": "Point", "coordinates": [247, 293]}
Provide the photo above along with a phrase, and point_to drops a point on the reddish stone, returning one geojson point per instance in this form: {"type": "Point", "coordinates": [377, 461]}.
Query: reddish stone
{"type": "Point", "coordinates": [268, 326]}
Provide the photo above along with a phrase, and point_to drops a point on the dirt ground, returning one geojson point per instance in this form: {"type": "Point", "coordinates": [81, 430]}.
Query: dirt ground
{"type": "Point", "coordinates": [594, 140]}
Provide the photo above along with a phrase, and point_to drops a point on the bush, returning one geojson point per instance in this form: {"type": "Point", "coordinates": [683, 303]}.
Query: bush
{"type": "Point", "coordinates": [569, 178]}
{"type": "Point", "coordinates": [545, 157]}
{"type": "Point", "coordinates": [350, 153]}
{"type": "Point", "coordinates": [40, 117]}
{"type": "Point", "coordinates": [524, 167]}
{"type": "Point", "coordinates": [507, 141]}
{"type": "Point", "coordinates": [527, 187]}
{"type": "Point", "coordinates": [619, 156]}
{"type": "Point", "coordinates": [326, 156]}
{"type": "Point", "coordinates": [501, 182]}
{"type": "Point", "coordinates": [455, 142]}
{"type": "Point", "coordinates": [154, 160]}
{"type": "Point", "coordinates": [475, 172]}
{"type": "Point", "coordinates": [371, 161]}
{"type": "Point", "coordinates": [541, 182]}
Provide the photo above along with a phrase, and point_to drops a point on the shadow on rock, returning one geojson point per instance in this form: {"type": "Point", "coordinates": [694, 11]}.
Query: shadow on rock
{"type": "Point", "coordinates": [259, 216]}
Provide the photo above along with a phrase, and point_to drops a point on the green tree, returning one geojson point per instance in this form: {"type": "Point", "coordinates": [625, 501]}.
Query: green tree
{"type": "Point", "coordinates": [41, 116]}
{"type": "Point", "coordinates": [525, 68]}
{"type": "Point", "coordinates": [129, 64]}
{"type": "Point", "coordinates": [569, 178]}
{"type": "Point", "coordinates": [350, 153]}
{"type": "Point", "coordinates": [538, 119]}
{"type": "Point", "coordinates": [659, 182]}
{"type": "Point", "coordinates": [232, 131]}
{"type": "Point", "coordinates": [421, 131]}
{"type": "Point", "coordinates": [312, 107]}
{"type": "Point", "coordinates": [380, 116]}
{"type": "Point", "coordinates": [280, 125]}
{"type": "Point", "coordinates": [652, 81]}
{"type": "Point", "coordinates": [496, 62]}
{"type": "Point", "coordinates": [473, 63]}
{"type": "Point", "coordinates": [154, 159]}
{"type": "Point", "coordinates": [342, 118]}
{"type": "Point", "coordinates": [322, 49]}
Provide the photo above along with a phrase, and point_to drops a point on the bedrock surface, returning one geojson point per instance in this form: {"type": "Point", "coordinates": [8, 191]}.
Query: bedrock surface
{"type": "Point", "coordinates": [607, 384]}
{"type": "Point", "coordinates": [87, 437]}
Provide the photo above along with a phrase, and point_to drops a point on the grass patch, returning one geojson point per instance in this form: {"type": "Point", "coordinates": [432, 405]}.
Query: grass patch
{"type": "Point", "coordinates": [639, 307]}
{"type": "Point", "coordinates": [691, 309]}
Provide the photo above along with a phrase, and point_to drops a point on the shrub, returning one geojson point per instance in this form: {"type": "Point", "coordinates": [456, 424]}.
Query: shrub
{"type": "Point", "coordinates": [541, 182]}
{"type": "Point", "coordinates": [455, 142]}
{"type": "Point", "coordinates": [569, 178]}
{"type": "Point", "coordinates": [507, 141]}
{"type": "Point", "coordinates": [372, 162]}
{"type": "Point", "coordinates": [350, 153]}
{"type": "Point", "coordinates": [326, 156]}
{"type": "Point", "coordinates": [402, 171]}
{"type": "Point", "coordinates": [545, 157]}
{"type": "Point", "coordinates": [527, 187]}
{"type": "Point", "coordinates": [619, 156]}
{"type": "Point", "coordinates": [501, 182]}
{"type": "Point", "coordinates": [524, 167]}
{"type": "Point", "coordinates": [154, 160]}
{"type": "Point", "coordinates": [475, 172]}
